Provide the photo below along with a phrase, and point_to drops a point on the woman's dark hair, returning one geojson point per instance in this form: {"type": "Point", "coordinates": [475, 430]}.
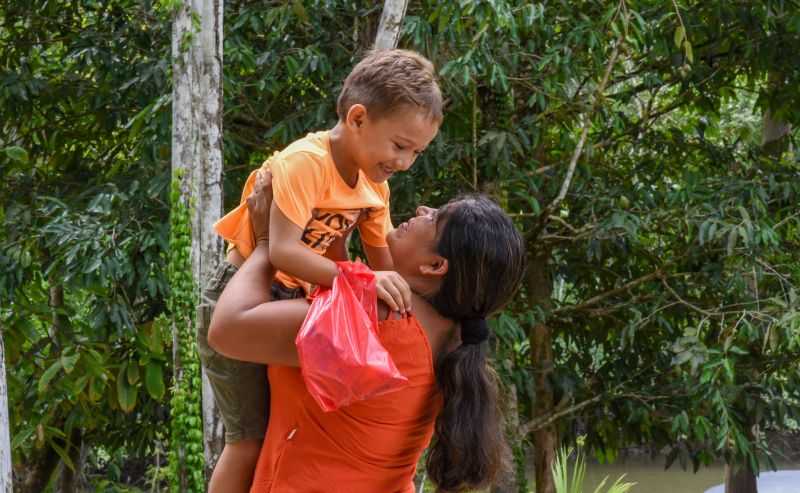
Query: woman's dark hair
{"type": "Point", "coordinates": [486, 258]}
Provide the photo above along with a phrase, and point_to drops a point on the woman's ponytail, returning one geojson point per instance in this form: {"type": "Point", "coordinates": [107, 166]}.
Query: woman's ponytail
{"type": "Point", "coordinates": [486, 259]}
{"type": "Point", "coordinates": [469, 450]}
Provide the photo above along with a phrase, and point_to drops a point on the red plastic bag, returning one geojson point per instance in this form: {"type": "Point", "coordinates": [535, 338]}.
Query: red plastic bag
{"type": "Point", "coordinates": [341, 358]}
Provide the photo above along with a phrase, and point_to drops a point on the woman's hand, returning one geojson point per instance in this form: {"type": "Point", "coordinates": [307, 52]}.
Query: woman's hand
{"type": "Point", "coordinates": [259, 203]}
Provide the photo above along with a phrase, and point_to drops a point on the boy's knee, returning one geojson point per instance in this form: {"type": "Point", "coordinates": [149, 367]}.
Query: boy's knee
{"type": "Point", "coordinates": [244, 449]}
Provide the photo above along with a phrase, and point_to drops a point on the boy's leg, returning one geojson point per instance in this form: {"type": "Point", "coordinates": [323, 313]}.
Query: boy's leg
{"type": "Point", "coordinates": [236, 466]}
{"type": "Point", "coordinates": [241, 392]}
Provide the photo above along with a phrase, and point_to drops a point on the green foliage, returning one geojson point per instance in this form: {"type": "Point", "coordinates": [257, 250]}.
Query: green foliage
{"type": "Point", "coordinates": [667, 277]}
{"type": "Point", "coordinates": [186, 445]}
{"type": "Point", "coordinates": [572, 482]}
{"type": "Point", "coordinates": [83, 200]}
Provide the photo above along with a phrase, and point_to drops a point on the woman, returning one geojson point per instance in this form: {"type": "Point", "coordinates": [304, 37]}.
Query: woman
{"type": "Point", "coordinates": [463, 262]}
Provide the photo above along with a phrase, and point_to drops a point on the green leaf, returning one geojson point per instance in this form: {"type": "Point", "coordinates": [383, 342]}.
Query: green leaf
{"type": "Point", "coordinates": [133, 373]}
{"type": "Point", "coordinates": [687, 46]}
{"type": "Point", "coordinates": [126, 394]}
{"type": "Point", "coordinates": [300, 11]}
{"type": "Point", "coordinates": [23, 435]}
{"type": "Point", "coordinates": [154, 380]}
{"type": "Point", "coordinates": [93, 265]}
{"type": "Point", "coordinates": [681, 357]}
{"type": "Point", "coordinates": [96, 388]}
{"type": "Point", "coordinates": [731, 248]}
{"type": "Point", "coordinates": [726, 363]}
{"type": "Point", "coordinates": [17, 154]}
{"type": "Point", "coordinates": [69, 362]}
{"type": "Point", "coordinates": [679, 36]}
{"type": "Point", "coordinates": [48, 375]}
{"type": "Point", "coordinates": [61, 453]}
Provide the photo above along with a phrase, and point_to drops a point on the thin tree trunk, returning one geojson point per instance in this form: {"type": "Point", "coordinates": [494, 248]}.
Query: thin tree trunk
{"type": "Point", "coordinates": [539, 288]}
{"type": "Point", "coordinates": [6, 479]}
{"type": "Point", "coordinates": [391, 23]}
{"type": "Point", "coordinates": [508, 482]}
{"type": "Point", "coordinates": [182, 155]}
{"type": "Point", "coordinates": [773, 141]}
{"type": "Point", "coordinates": [772, 138]}
{"type": "Point", "coordinates": [207, 247]}
{"type": "Point", "coordinates": [66, 478]}
{"type": "Point", "coordinates": [740, 478]}
{"type": "Point", "coordinates": [197, 149]}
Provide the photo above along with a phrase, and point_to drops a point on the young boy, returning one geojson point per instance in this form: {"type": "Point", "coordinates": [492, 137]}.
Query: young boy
{"type": "Point", "coordinates": [324, 184]}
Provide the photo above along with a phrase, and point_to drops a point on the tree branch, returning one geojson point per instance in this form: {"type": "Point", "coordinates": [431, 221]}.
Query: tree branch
{"type": "Point", "coordinates": [610, 294]}
{"type": "Point", "coordinates": [587, 123]}
{"type": "Point", "coordinates": [686, 303]}
{"type": "Point", "coordinates": [245, 142]}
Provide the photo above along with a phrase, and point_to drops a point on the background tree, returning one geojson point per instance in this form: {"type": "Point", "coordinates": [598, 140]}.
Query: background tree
{"type": "Point", "coordinates": [640, 322]}
{"type": "Point", "coordinates": [83, 200]}
{"type": "Point", "coordinates": [197, 167]}
{"type": "Point", "coordinates": [6, 479]}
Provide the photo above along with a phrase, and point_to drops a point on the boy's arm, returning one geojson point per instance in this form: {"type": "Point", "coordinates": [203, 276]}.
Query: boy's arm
{"type": "Point", "coordinates": [245, 325]}
{"type": "Point", "coordinates": [288, 254]}
{"type": "Point", "coordinates": [248, 328]}
{"type": "Point", "coordinates": [337, 250]}
{"type": "Point", "coordinates": [378, 257]}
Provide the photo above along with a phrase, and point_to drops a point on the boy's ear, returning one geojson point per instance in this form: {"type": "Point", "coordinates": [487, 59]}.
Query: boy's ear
{"type": "Point", "coordinates": [356, 116]}
{"type": "Point", "coordinates": [437, 268]}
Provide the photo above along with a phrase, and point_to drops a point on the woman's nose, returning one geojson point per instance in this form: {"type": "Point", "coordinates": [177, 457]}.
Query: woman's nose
{"type": "Point", "coordinates": [425, 210]}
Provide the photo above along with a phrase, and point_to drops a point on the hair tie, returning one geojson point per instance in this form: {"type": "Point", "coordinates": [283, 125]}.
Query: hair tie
{"type": "Point", "coordinates": [474, 330]}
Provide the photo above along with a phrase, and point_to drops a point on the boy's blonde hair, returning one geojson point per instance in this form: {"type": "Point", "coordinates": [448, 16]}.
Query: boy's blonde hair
{"type": "Point", "coordinates": [386, 80]}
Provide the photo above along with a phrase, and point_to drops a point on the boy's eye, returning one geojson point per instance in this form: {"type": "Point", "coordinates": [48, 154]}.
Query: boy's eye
{"type": "Point", "coordinates": [399, 147]}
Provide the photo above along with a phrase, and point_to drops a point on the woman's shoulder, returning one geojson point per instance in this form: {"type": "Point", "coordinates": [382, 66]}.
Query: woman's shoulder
{"type": "Point", "coordinates": [439, 330]}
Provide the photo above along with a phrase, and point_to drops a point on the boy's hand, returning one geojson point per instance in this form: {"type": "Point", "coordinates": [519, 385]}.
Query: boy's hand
{"type": "Point", "coordinates": [259, 203]}
{"type": "Point", "coordinates": [393, 290]}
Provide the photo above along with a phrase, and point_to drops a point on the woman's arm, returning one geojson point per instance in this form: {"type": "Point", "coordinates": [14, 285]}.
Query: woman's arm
{"type": "Point", "coordinates": [245, 325]}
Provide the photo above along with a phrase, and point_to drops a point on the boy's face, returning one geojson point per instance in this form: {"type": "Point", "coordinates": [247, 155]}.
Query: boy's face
{"type": "Point", "coordinates": [389, 144]}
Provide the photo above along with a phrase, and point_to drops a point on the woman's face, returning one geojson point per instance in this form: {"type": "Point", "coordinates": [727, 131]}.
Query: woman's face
{"type": "Point", "coordinates": [412, 242]}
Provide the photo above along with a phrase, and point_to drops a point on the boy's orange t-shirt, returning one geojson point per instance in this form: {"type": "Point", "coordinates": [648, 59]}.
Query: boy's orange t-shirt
{"type": "Point", "coordinates": [309, 190]}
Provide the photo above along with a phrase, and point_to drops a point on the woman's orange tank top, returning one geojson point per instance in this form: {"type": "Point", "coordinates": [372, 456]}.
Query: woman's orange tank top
{"type": "Point", "coordinates": [368, 446]}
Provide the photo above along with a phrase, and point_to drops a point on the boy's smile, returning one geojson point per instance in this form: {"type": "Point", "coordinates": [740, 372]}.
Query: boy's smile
{"type": "Point", "coordinates": [383, 146]}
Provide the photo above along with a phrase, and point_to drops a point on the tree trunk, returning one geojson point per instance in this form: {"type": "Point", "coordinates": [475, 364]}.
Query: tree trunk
{"type": "Point", "coordinates": [37, 471]}
{"type": "Point", "coordinates": [545, 439]}
{"type": "Point", "coordinates": [740, 478]}
{"type": "Point", "coordinates": [508, 482]}
{"type": "Point", "coordinates": [774, 132]}
{"type": "Point", "coordinates": [66, 478]}
{"type": "Point", "coordinates": [391, 23]}
{"type": "Point", "coordinates": [197, 148]}
{"type": "Point", "coordinates": [773, 138]}
{"type": "Point", "coordinates": [6, 479]}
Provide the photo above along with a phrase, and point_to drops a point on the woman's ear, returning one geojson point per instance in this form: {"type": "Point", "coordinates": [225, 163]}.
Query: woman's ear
{"type": "Point", "coordinates": [356, 116]}
{"type": "Point", "coordinates": [437, 268]}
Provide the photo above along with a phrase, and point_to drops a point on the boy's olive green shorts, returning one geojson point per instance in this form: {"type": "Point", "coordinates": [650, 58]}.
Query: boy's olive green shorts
{"type": "Point", "coordinates": [240, 388]}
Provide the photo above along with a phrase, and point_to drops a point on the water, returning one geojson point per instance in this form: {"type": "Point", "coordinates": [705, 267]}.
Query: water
{"type": "Point", "coordinates": [650, 476]}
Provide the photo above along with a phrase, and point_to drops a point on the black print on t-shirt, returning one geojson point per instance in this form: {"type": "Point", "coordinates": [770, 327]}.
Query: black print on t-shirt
{"type": "Point", "coordinates": [325, 226]}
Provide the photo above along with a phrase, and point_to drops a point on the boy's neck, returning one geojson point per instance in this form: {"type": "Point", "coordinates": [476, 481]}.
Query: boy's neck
{"type": "Point", "coordinates": [341, 154]}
